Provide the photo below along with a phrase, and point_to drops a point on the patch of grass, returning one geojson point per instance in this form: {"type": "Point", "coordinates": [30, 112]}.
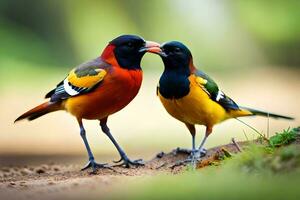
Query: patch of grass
{"type": "Point", "coordinates": [283, 138]}
{"type": "Point", "coordinates": [258, 160]}
{"type": "Point", "coordinates": [269, 159]}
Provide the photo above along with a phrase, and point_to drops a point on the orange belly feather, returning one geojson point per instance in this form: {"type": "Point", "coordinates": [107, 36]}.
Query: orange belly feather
{"type": "Point", "coordinates": [117, 90]}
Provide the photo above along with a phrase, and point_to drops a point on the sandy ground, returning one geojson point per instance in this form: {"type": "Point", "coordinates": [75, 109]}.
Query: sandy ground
{"type": "Point", "coordinates": [56, 180]}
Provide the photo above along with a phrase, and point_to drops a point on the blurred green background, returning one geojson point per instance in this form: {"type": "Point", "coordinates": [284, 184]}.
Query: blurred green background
{"type": "Point", "coordinates": [251, 48]}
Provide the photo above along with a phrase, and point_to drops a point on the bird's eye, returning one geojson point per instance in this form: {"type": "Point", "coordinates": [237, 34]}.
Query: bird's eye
{"type": "Point", "coordinates": [130, 44]}
{"type": "Point", "coordinates": [177, 50]}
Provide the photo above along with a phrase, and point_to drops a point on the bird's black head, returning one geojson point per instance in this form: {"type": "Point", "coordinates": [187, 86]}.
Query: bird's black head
{"type": "Point", "coordinates": [129, 50]}
{"type": "Point", "coordinates": [175, 55]}
{"type": "Point", "coordinates": [174, 82]}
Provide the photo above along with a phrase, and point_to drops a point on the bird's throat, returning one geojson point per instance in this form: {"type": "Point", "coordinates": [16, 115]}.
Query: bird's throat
{"type": "Point", "coordinates": [173, 84]}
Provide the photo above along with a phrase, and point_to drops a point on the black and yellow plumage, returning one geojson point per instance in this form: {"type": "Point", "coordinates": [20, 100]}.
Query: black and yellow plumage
{"type": "Point", "coordinates": [192, 97]}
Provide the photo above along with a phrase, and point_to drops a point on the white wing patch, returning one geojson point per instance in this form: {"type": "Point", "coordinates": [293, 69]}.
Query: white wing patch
{"type": "Point", "coordinates": [220, 95]}
{"type": "Point", "coordinates": [69, 89]}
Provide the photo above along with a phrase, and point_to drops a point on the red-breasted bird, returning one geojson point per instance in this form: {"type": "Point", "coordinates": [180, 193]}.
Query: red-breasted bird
{"type": "Point", "coordinates": [98, 88]}
{"type": "Point", "coordinates": [192, 97]}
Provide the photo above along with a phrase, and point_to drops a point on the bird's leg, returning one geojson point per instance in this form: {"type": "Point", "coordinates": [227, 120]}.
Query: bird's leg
{"type": "Point", "coordinates": [126, 161]}
{"type": "Point", "coordinates": [193, 157]}
{"type": "Point", "coordinates": [91, 164]}
{"type": "Point", "coordinates": [201, 150]}
{"type": "Point", "coordinates": [192, 130]}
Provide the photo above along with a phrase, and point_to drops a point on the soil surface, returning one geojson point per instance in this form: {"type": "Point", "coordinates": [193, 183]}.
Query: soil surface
{"type": "Point", "coordinates": [66, 181]}
{"type": "Point", "coordinates": [51, 180]}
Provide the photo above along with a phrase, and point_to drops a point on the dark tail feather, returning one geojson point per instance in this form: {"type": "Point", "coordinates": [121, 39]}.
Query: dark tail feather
{"type": "Point", "coordinates": [49, 94]}
{"type": "Point", "coordinates": [266, 114]}
{"type": "Point", "coordinates": [40, 110]}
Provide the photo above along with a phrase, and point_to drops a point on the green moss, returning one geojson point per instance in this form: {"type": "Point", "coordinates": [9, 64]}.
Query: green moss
{"type": "Point", "coordinates": [285, 137]}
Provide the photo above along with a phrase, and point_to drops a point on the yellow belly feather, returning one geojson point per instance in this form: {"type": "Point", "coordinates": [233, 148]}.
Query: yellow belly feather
{"type": "Point", "coordinates": [197, 107]}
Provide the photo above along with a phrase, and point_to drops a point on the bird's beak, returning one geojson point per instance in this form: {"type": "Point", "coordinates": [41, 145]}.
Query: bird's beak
{"type": "Point", "coordinates": [152, 47]}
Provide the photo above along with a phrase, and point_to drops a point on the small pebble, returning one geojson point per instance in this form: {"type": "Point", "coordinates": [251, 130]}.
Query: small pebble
{"type": "Point", "coordinates": [160, 155]}
{"type": "Point", "coordinates": [40, 171]}
{"type": "Point", "coordinates": [12, 183]}
{"type": "Point", "coordinates": [56, 168]}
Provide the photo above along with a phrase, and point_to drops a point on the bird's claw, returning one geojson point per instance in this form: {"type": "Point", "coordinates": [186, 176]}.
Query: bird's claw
{"type": "Point", "coordinates": [202, 152]}
{"type": "Point", "coordinates": [194, 157]}
{"type": "Point", "coordinates": [128, 163]}
{"type": "Point", "coordinates": [117, 161]}
{"type": "Point", "coordinates": [95, 166]}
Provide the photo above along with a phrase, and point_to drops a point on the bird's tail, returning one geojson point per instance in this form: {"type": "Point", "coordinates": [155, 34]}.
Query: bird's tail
{"type": "Point", "coordinates": [252, 111]}
{"type": "Point", "coordinates": [40, 110]}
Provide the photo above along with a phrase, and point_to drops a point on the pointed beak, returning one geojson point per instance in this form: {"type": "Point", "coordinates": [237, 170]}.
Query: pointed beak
{"type": "Point", "coordinates": [152, 47]}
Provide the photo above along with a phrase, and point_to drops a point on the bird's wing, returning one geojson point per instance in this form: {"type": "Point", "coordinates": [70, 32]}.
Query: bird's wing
{"type": "Point", "coordinates": [212, 89]}
{"type": "Point", "coordinates": [80, 80]}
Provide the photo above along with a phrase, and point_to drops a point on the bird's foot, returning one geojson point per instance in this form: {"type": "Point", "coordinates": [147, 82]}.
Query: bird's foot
{"type": "Point", "coordinates": [126, 162]}
{"type": "Point", "coordinates": [202, 152]}
{"type": "Point", "coordinates": [194, 157]}
{"type": "Point", "coordinates": [95, 166]}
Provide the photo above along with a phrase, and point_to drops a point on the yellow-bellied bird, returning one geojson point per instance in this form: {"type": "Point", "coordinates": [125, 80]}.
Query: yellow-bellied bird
{"type": "Point", "coordinates": [192, 97]}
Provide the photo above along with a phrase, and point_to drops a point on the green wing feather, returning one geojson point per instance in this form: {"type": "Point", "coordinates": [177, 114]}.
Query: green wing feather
{"type": "Point", "coordinates": [215, 94]}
